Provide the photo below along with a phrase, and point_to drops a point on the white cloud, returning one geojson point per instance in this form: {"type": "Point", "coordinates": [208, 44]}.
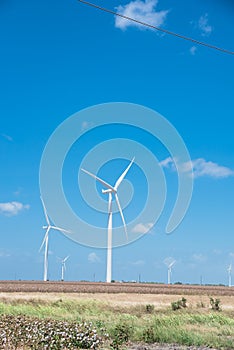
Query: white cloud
{"type": "Point", "coordinates": [4, 254]}
{"type": "Point", "coordinates": [204, 26]}
{"type": "Point", "coordinates": [199, 258]}
{"type": "Point", "coordinates": [86, 125]}
{"type": "Point", "coordinates": [143, 11]}
{"type": "Point", "coordinates": [167, 163]}
{"type": "Point", "coordinates": [7, 137]}
{"type": "Point", "coordinates": [217, 251]}
{"type": "Point", "coordinates": [138, 263]}
{"type": "Point", "coordinates": [142, 228]}
{"type": "Point", "coordinates": [93, 258]}
{"type": "Point", "coordinates": [201, 167]}
{"type": "Point", "coordinates": [12, 208]}
{"type": "Point", "coordinates": [193, 50]}
{"type": "Point", "coordinates": [18, 191]}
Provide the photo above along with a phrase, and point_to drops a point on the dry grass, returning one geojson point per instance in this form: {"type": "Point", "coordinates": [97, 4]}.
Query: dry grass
{"type": "Point", "coordinates": [126, 314]}
{"type": "Point", "coordinates": [160, 301]}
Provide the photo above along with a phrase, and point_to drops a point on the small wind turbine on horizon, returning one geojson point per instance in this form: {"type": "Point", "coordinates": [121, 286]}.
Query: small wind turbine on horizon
{"type": "Point", "coordinates": [110, 190]}
{"type": "Point", "coordinates": [45, 241]}
{"type": "Point", "coordinates": [170, 263]}
{"type": "Point", "coordinates": [63, 267]}
{"type": "Point", "coordinates": [229, 275]}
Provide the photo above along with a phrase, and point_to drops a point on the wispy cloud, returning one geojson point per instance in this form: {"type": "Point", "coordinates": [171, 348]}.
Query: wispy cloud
{"type": "Point", "coordinates": [204, 26]}
{"type": "Point", "coordinates": [4, 254]}
{"type": "Point", "coordinates": [143, 11]}
{"type": "Point", "coordinates": [138, 263]}
{"type": "Point", "coordinates": [201, 167]}
{"type": "Point", "coordinates": [12, 208]}
{"type": "Point", "coordinates": [18, 191]}
{"type": "Point", "coordinates": [7, 137]}
{"type": "Point", "coordinates": [93, 258]}
{"type": "Point", "coordinates": [86, 125]}
{"type": "Point", "coordinates": [193, 50]}
{"type": "Point", "coordinates": [142, 228]}
{"type": "Point", "coordinates": [199, 258]}
{"type": "Point", "coordinates": [217, 251]}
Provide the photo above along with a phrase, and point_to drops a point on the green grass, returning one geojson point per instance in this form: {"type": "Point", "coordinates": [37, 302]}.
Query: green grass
{"type": "Point", "coordinates": [187, 327]}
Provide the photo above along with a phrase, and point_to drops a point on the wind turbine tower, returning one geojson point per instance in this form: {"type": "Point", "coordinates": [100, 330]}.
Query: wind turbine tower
{"type": "Point", "coordinates": [63, 269]}
{"type": "Point", "coordinates": [229, 275]}
{"type": "Point", "coordinates": [45, 241]}
{"type": "Point", "coordinates": [170, 263]}
{"type": "Point", "coordinates": [110, 191]}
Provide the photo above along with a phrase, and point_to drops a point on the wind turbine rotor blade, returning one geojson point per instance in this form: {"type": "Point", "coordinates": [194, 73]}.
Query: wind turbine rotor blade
{"type": "Point", "coordinates": [120, 179]}
{"type": "Point", "coordinates": [171, 264]}
{"type": "Point", "coordinates": [60, 229]}
{"type": "Point", "coordinates": [44, 239]}
{"type": "Point", "coordinates": [65, 259]}
{"type": "Point", "coordinates": [121, 214]}
{"type": "Point", "coordinates": [45, 212]}
{"type": "Point", "coordinates": [104, 183]}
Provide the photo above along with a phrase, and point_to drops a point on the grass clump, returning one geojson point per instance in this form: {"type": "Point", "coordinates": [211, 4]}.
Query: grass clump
{"type": "Point", "coordinates": [141, 323]}
{"type": "Point", "coordinates": [149, 308]}
{"type": "Point", "coordinates": [120, 334]}
{"type": "Point", "coordinates": [179, 304]}
{"type": "Point", "coordinates": [215, 304]}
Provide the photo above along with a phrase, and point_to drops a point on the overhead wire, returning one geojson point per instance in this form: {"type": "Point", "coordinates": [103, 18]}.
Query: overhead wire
{"type": "Point", "coordinates": [158, 28]}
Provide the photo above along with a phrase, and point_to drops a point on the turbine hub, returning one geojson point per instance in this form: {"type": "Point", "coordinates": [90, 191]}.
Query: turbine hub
{"type": "Point", "coordinates": [107, 191]}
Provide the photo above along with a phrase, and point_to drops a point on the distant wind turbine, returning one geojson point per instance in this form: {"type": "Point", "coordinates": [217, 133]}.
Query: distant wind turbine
{"type": "Point", "coordinates": [63, 267]}
{"type": "Point", "coordinates": [170, 263]}
{"type": "Point", "coordinates": [110, 190]}
{"type": "Point", "coordinates": [45, 241]}
{"type": "Point", "coordinates": [229, 275]}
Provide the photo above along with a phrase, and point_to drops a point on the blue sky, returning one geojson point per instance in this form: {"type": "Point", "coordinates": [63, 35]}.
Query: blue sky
{"type": "Point", "coordinates": [59, 57]}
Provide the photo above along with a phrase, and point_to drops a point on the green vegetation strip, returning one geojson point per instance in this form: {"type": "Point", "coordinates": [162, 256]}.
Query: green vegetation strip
{"type": "Point", "coordinates": [69, 324]}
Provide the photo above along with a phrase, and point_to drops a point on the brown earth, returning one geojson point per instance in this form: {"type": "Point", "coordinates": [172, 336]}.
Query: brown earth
{"type": "Point", "coordinates": [113, 288]}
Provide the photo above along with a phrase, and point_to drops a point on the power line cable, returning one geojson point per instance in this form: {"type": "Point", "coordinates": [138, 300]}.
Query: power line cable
{"type": "Point", "coordinates": [157, 28]}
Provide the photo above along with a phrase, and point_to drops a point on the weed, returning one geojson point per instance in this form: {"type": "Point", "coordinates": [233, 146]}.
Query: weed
{"type": "Point", "coordinates": [200, 304]}
{"type": "Point", "coordinates": [179, 304]}
{"type": "Point", "coordinates": [149, 308]}
{"type": "Point", "coordinates": [120, 334]}
{"type": "Point", "coordinates": [215, 304]}
{"type": "Point", "coordinates": [149, 335]}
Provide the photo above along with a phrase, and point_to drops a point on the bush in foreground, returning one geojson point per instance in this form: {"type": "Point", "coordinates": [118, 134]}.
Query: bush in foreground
{"type": "Point", "coordinates": [33, 333]}
{"type": "Point", "coordinates": [179, 304]}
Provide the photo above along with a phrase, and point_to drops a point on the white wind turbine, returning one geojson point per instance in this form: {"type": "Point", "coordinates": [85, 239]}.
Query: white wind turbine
{"type": "Point", "coordinates": [110, 190]}
{"type": "Point", "coordinates": [170, 263]}
{"type": "Point", "coordinates": [63, 268]}
{"type": "Point", "coordinates": [229, 275]}
{"type": "Point", "coordinates": [45, 241]}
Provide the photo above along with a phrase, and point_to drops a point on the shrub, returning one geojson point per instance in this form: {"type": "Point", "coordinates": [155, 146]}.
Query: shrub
{"type": "Point", "coordinates": [215, 304]}
{"type": "Point", "coordinates": [120, 334]}
{"type": "Point", "coordinates": [179, 304]}
{"type": "Point", "coordinates": [148, 335]}
{"type": "Point", "coordinates": [149, 308]}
